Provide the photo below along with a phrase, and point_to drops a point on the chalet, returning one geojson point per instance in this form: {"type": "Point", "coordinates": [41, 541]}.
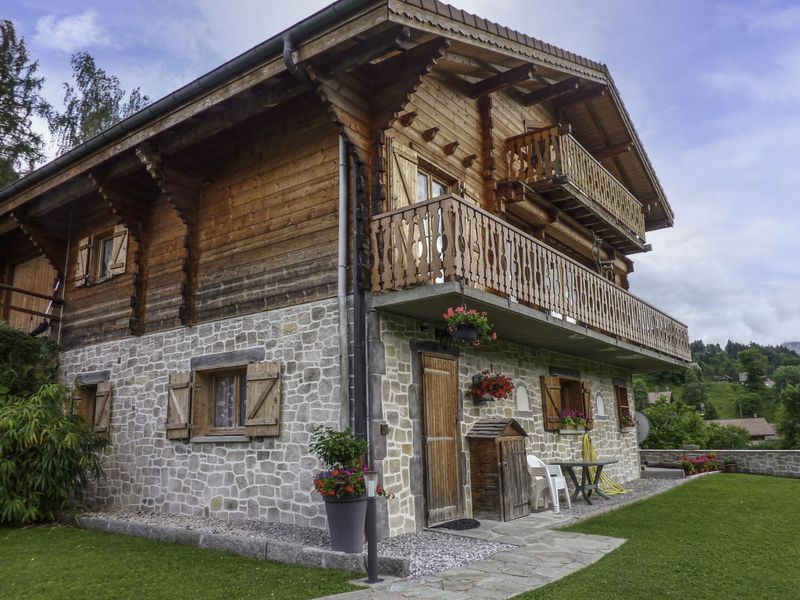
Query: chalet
{"type": "Point", "coordinates": [273, 246]}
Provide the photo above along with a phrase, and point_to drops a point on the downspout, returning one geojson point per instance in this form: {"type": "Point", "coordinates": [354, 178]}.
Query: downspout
{"type": "Point", "coordinates": [362, 413]}
{"type": "Point", "coordinates": [341, 285]}
{"type": "Point", "coordinates": [341, 269]}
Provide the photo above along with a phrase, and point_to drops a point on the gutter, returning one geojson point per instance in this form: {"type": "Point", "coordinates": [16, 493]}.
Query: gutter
{"type": "Point", "coordinates": [199, 87]}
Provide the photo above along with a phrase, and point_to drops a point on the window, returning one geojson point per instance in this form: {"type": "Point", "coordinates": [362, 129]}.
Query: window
{"type": "Point", "coordinates": [624, 415]}
{"type": "Point", "coordinates": [428, 186]}
{"type": "Point", "coordinates": [562, 394]}
{"type": "Point", "coordinates": [93, 403]}
{"type": "Point", "coordinates": [228, 401]}
{"type": "Point", "coordinates": [101, 257]}
{"type": "Point", "coordinates": [104, 250]}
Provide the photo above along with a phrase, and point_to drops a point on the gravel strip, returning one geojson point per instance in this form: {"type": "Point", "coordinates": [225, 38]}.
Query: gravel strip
{"type": "Point", "coordinates": [640, 489]}
{"type": "Point", "coordinates": [431, 552]}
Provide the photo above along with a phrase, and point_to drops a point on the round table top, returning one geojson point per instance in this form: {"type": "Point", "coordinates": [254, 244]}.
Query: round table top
{"type": "Point", "coordinates": [585, 463]}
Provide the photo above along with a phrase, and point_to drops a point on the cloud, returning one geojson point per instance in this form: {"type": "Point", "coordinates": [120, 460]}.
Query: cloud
{"type": "Point", "coordinates": [71, 33]}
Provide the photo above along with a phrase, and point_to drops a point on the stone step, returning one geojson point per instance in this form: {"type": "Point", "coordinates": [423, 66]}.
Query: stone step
{"type": "Point", "coordinates": [662, 473]}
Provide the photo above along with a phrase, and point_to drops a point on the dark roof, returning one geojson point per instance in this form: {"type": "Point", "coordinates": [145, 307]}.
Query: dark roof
{"type": "Point", "coordinates": [494, 428]}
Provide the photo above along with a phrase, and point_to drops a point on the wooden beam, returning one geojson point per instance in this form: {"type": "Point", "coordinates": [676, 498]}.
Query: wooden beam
{"type": "Point", "coordinates": [551, 92]}
{"type": "Point", "coordinates": [11, 288]}
{"type": "Point", "coordinates": [363, 52]}
{"type": "Point", "coordinates": [582, 95]}
{"type": "Point", "coordinates": [501, 80]}
{"type": "Point", "coordinates": [612, 150]}
{"type": "Point", "coordinates": [131, 209]}
{"type": "Point", "coordinates": [50, 247]}
{"type": "Point", "coordinates": [419, 58]}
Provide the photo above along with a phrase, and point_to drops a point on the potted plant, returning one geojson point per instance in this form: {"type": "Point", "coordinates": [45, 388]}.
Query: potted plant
{"type": "Point", "coordinates": [573, 419]}
{"type": "Point", "coordinates": [729, 465]}
{"type": "Point", "coordinates": [342, 485]}
{"type": "Point", "coordinates": [469, 326]}
{"type": "Point", "coordinates": [486, 386]}
{"type": "Point", "coordinates": [627, 421]}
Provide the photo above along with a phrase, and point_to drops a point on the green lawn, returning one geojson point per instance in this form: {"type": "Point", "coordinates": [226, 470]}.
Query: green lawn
{"type": "Point", "coordinates": [719, 537]}
{"type": "Point", "coordinates": [54, 563]}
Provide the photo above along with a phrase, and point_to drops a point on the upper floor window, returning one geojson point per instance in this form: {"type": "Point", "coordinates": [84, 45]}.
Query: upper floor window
{"type": "Point", "coordinates": [428, 186]}
{"type": "Point", "coordinates": [101, 256]}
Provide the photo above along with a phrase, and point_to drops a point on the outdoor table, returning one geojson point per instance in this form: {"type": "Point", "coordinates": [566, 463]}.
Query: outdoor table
{"type": "Point", "coordinates": [587, 484]}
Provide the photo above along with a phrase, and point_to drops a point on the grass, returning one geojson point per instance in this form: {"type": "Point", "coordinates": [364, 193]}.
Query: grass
{"type": "Point", "coordinates": [715, 538]}
{"type": "Point", "coordinates": [62, 562]}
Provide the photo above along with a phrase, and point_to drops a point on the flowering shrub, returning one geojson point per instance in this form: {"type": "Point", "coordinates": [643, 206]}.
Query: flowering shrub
{"type": "Point", "coordinates": [497, 386]}
{"type": "Point", "coordinates": [345, 481]}
{"type": "Point", "coordinates": [573, 418]}
{"type": "Point", "coordinates": [460, 315]}
{"type": "Point", "coordinates": [699, 464]}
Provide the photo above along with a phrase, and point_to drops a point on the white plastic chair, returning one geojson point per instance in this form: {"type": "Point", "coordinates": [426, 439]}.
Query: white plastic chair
{"type": "Point", "coordinates": [554, 480]}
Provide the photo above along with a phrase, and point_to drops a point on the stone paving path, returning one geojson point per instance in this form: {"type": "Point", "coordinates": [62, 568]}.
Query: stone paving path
{"type": "Point", "coordinates": [541, 556]}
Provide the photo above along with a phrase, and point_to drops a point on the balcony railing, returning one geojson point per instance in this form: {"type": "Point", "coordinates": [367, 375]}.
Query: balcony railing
{"type": "Point", "coordinates": [449, 239]}
{"type": "Point", "coordinates": [550, 155]}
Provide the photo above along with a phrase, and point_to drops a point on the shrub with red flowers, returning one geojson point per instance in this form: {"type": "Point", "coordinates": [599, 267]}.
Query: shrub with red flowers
{"type": "Point", "coordinates": [573, 419]}
{"type": "Point", "coordinates": [461, 315]}
{"type": "Point", "coordinates": [491, 387]}
{"type": "Point", "coordinates": [699, 464]}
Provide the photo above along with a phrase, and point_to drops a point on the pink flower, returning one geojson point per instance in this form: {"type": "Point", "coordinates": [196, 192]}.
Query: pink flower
{"type": "Point", "coordinates": [494, 336]}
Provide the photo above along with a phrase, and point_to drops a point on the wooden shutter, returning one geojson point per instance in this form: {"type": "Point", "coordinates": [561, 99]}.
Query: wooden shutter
{"type": "Point", "coordinates": [119, 250]}
{"type": "Point", "coordinates": [82, 400]}
{"type": "Point", "coordinates": [402, 175]}
{"type": "Point", "coordinates": [586, 394]}
{"type": "Point", "coordinates": [102, 407]}
{"type": "Point", "coordinates": [82, 262]}
{"type": "Point", "coordinates": [623, 406]}
{"type": "Point", "coordinates": [551, 402]}
{"type": "Point", "coordinates": [179, 404]}
{"type": "Point", "coordinates": [263, 404]}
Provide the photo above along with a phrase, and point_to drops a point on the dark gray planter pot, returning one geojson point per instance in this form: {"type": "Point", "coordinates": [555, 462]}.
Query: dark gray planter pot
{"type": "Point", "coordinates": [465, 333]}
{"type": "Point", "coordinates": [346, 521]}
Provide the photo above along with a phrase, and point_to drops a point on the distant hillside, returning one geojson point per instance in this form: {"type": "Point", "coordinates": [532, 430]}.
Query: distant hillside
{"type": "Point", "coordinates": [792, 346]}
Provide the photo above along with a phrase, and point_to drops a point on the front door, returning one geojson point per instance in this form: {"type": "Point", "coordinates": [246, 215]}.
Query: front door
{"type": "Point", "coordinates": [443, 486]}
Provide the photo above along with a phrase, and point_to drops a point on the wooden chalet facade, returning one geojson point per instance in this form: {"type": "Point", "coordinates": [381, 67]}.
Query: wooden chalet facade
{"type": "Point", "coordinates": [273, 246]}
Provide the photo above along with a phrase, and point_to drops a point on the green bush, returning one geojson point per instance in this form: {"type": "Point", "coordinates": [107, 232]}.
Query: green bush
{"type": "Point", "coordinates": [726, 437]}
{"type": "Point", "coordinates": [337, 448]}
{"type": "Point", "coordinates": [789, 417]}
{"type": "Point", "coordinates": [45, 451]}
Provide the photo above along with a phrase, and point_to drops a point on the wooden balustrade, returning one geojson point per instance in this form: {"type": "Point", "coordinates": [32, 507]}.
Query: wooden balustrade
{"type": "Point", "coordinates": [449, 239]}
{"type": "Point", "coordinates": [553, 155]}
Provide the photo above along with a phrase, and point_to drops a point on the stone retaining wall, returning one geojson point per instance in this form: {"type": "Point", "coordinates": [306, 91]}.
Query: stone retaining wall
{"type": "Point", "coordinates": [781, 463]}
{"type": "Point", "coordinates": [261, 478]}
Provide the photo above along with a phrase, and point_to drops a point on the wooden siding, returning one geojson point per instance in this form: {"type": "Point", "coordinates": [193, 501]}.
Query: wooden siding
{"type": "Point", "coordinates": [99, 311]}
{"type": "Point", "coordinates": [268, 220]}
{"type": "Point", "coordinates": [35, 275]}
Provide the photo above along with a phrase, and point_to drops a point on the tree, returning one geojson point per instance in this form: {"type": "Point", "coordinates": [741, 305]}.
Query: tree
{"type": "Point", "coordinates": [789, 417]}
{"type": "Point", "coordinates": [639, 393]}
{"type": "Point", "coordinates": [710, 412]}
{"type": "Point", "coordinates": [20, 147]}
{"type": "Point", "coordinates": [753, 362]}
{"type": "Point", "coordinates": [95, 103]}
{"type": "Point", "coordinates": [726, 437]}
{"type": "Point", "coordinates": [673, 425]}
{"type": "Point", "coordinates": [785, 376]}
{"type": "Point", "coordinates": [694, 392]}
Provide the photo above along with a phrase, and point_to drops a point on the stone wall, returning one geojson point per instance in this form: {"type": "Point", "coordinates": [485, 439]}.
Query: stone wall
{"type": "Point", "coordinates": [268, 478]}
{"type": "Point", "coordinates": [399, 392]}
{"type": "Point", "coordinates": [781, 463]}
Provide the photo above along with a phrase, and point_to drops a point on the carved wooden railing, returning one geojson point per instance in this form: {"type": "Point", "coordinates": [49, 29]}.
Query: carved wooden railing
{"type": "Point", "coordinates": [551, 154]}
{"type": "Point", "coordinates": [449, 239]}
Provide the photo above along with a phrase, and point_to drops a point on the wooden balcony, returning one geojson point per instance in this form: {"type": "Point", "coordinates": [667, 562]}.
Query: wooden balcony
{"type": "Point", "coordinates": [447, 241]}
{"type": "Point", "coordinates": [553, 164]}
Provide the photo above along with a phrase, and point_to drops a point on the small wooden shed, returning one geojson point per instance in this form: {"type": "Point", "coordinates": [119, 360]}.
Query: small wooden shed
{"type": "Point", "coordinates": [498, 470]}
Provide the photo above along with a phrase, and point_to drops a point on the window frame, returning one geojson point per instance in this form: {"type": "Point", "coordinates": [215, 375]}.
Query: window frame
{"type": "Point", "coordinates": [572, 391]}
{"type": "Point", "coordinates": [204, 401]}
{"type": "Point", "coordinates": [96, 256]}
{"type": "Point", "coordinates": [620, 391]}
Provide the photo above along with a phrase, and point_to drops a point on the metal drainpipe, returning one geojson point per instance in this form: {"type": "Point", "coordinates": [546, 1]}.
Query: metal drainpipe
{"type": "Point", "coordinates": [341, 270]}
{"type": "Point", "coordinates": [362, 414]}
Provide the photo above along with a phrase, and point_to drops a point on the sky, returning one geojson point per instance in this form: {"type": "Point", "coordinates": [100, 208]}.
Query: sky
{"type": "Point", "coordinates": [713, 89]}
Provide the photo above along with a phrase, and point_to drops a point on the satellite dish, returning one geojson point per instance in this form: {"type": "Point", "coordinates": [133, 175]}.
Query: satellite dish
{"type": "Point", "coordinates": [642, 427]}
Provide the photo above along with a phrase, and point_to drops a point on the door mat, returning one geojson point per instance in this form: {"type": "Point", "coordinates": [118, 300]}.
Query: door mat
{"type": "Point", "coordinates": [459, 524]}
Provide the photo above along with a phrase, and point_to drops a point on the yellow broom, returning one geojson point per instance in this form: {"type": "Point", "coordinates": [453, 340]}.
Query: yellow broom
{"type": "Point", "coordinates": [607, 485]}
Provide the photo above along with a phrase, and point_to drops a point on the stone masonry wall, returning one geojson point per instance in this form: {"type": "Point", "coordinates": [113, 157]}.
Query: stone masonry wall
{"type": "Point", "coordinates": [781, 463]}
{"type": "Point", "coordinates": [267, 478]}
{"type": "Point", "coordinates": [401, 467]}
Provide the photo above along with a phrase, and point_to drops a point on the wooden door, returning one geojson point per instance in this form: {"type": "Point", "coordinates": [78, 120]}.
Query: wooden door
{"type": "Point", "coordinates": [443, 485]}
{"type": "Point", "coordinates": [515, 494]}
